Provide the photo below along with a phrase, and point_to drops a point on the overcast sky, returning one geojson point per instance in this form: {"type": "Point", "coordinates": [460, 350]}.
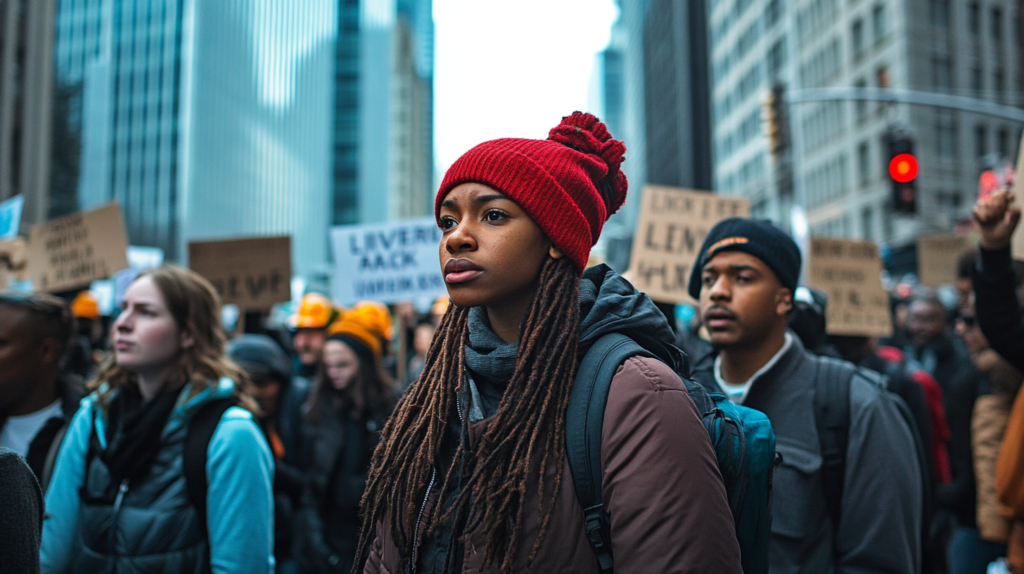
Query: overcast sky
{"type": "Point", "coordinates": [512, 68]}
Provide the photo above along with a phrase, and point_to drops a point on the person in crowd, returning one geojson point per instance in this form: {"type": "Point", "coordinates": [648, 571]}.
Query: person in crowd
{"type": "Point", "coordinates": [471, 474]}
{"type": "Point", "coordinates": [310, 323]}
{"type": "Point", "coordinates": [269, 382]}
{"type": "Point", "coordinates": [997, 306]}
{"type": "Point", "coordinates": [21, 515]}
{"type": "Point", "coordinates": [935, 349]}
{"type": "Point", "coordinates": [87, 342]}
{"type": "Point", "coordinates": [421, 338]}
{"type": "Point", "coordinates": [745, 278]}
{"type": "Point", "coordinates": [37, 397]}
{"type": "Point", "coordinates": [125, 494]}
{"type": "Point", "coordinates": [342, 419]}
{"type": "Point", "coordinates": [988, 424]}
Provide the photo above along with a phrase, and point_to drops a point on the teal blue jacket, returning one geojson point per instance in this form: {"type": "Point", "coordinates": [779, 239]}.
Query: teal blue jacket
{"type": "Point", "coordinates": [240, 500]}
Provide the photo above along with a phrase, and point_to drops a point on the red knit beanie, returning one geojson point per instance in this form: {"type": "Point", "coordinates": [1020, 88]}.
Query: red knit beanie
{"type": "Point", "coordinates": [569, 183]}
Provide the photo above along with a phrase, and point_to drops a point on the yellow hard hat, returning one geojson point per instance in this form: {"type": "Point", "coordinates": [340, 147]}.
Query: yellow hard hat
{"type": "Point", "coordinates": [86, 306]}
{"type": "Point", "coordinates": [315, 312]}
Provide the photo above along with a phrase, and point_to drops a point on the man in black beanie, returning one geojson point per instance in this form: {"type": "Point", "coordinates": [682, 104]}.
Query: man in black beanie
{"type": "Point", "coordinates": [847, 496]}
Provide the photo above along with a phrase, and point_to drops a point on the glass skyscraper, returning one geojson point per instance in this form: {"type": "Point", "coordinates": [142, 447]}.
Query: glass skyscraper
{"type": "Point", "coordinates": [206, 119]}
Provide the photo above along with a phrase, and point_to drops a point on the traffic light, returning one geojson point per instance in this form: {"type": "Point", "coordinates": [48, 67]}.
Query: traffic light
{"type": "Point", "coordinates": [903, 170]}
{"type": "Point", "coordinates": [775, 120]}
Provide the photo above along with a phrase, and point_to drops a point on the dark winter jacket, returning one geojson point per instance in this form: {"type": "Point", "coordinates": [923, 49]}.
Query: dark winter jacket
{"type": "Point", "coordinates": [335, 454]}
{"type": "Point", "coordinates": [997, 307]}
{"type": "Point", "coordinates": [882, 499]}
{"type": "Point", "coordinates": [43, 449]}
{"type": "Point", "coordinates": [661, 484]}
{"type": "Point", "coordinates": [961, 383]}
{"type": "Point", "coordinates": [21, 516]}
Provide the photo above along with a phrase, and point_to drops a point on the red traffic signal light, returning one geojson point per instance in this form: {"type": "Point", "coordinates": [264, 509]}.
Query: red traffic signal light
{"type": "Point", "coordinates": [903, 168]}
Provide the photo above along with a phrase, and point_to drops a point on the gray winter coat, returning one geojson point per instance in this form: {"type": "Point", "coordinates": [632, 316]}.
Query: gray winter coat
{"type": "Point", "coordinates": [880, 528]}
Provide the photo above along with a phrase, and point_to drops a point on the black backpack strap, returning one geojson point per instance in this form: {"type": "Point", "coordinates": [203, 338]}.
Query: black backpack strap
{"type": "Point", "coordinates": [197, 443]}
{"type": "Point", "coordinates": [583, 423]}
{"type": "Point", "coordinates": [832, 417]}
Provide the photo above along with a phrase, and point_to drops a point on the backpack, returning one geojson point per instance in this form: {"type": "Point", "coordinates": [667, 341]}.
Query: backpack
{"type": "Point", "coordinates": [742, 438]}
{"type": "Point", "coordinates": [197, 443]}
{"type": "Point", "coordinates": [832, 418]}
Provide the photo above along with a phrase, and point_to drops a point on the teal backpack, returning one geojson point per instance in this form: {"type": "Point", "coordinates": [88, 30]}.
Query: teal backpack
{"type": "Point", "coordinates": [743, 440]}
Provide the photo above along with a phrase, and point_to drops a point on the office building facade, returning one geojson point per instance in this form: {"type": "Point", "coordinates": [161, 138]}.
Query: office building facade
{"type": "Point", "coordinates": [838, 153]}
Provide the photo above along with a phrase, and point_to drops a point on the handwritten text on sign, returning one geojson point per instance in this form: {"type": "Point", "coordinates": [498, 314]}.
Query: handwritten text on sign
{"type": "Point", "coordinates": [72, 251]}
{"type": "Point", "coordinates": [850, 272]}
{"type": "Point", "coordinates": [388, 262]}
{"type": "Point", "coordinates": [672, 227]}
{"type": "Point", "coordinates": [937, 257]}
{"type": "Point", "coordinates": [252, 273]}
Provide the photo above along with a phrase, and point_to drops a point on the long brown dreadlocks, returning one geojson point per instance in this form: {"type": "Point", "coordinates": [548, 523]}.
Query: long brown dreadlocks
{"type": "Point", "coordinates": [530, 420]}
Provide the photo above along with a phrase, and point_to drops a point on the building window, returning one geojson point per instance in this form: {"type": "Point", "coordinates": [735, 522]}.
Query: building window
{"type": "Point", "coordinates": [945, 136]}
{"type": "Point", "coordinates": [857, 38]}
{"type": "Point", "coordinates": [940, 14]}
{"type": "Point", "coordinates": [867, 224]}
{"type": "Point", "coordinates": [1003, 143]}
{"type": "Point", "coordinates": [777, 59]}
{"type": "Point", "coordinates": [980, 141]}
{"type": "Point", "coordinates": [977, 81]}
{"type": "Point", "coordinates": [999, 83]}
{"type": "Point", "coordinates": [773, 12]}
{"type": "Point", "coordinates": [878, 21]}
{"type": "Point", "coordinates": [863, 163]}
{"type": "Point", "coordinates": [974, 18]}
{"type": "Point", "coordinates": [882, 75]}
{"type": "Point", "coordinates": [997, 24]}
{"type": "Point", "coordinates": [942, 72]}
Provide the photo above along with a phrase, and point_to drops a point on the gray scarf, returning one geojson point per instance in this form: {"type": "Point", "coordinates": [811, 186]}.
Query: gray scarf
{"type": "Point", "coordinates": [491, 360]}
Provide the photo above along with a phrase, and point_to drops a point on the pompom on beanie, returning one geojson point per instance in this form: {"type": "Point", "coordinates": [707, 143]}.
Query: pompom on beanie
{"type": "Point", "coordinates": [569, 183]}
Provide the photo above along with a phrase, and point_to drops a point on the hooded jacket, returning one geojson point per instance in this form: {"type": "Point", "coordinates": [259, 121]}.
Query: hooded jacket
{"type": "Point", "coordinates": [153, 526]}
{"type": "Point", "coordinates": [661, 485]}
{"type": "Point", "coordinates": [880, 528]}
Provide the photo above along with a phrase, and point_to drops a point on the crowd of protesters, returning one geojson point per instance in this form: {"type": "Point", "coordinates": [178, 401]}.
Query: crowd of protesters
{"type": "Point", "coordinates": [159, 442]}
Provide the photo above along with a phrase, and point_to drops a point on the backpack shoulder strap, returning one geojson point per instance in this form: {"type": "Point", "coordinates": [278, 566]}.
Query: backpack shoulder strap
{"type": "Point", "coordinates": [832, 417]}
{"type": "Point", "coordinates": [583, 422]}
{"type": "Point", "coordinates": [197, 443]}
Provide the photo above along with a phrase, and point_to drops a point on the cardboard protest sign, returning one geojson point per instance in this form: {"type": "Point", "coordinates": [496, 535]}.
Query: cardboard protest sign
{"type": "Point", "coordinates": [253, 273]}
{"type": "Point", "coordinates": [937, 256]}
{"type": "Point", "coordinates": [387, 262]}
{"type": "Point", "coordinates": [1017, 243]}
{"type": "Point", "coordinates": [850, 272]}
{"type": "Point", "coordinates": [672, 227]}
{"type": "Point", "coordinates": [72, 251]}
{"type": "Point", "coordinates": [12, 261]}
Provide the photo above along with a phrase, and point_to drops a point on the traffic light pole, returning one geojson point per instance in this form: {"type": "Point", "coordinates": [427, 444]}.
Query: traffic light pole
{"type": "Point", "coordinates": [902, 96]}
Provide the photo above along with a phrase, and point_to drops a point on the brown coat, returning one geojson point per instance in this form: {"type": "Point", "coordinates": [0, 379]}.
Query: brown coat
{"type": "Point", "coordinates": [991, 413]}
{"type": "Point", "coordinates": [661, 486]}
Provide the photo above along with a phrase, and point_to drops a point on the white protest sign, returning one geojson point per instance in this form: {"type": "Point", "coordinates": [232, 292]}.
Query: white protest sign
{"type": "Point", "coordinates": [10, 217]}
{"type": "Point", "coordinates": [387, 262]}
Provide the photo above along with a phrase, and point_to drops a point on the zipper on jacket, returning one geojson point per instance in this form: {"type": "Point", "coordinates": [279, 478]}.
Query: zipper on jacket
{"type": "Point", "coordinates": [416, 529]}
{"type": "Point", "coordinates": [113, 522]}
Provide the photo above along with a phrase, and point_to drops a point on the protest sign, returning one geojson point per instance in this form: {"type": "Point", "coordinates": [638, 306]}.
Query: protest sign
{"type": "Point", "coordinates": [672, 227]}
{"type": "Point", "coordinates": [10, 217]}
{"type": "Point", "coordinates": [937, 256]}
{"type": "Point", "coordinates": [1017, 244]}
{"type": "Point", "coordinates": [850, 272]}
{"type": "Point", "coordinates": [12, 262]}
{"type": "Point", "coordinates": [387, 262]}
{"type": "Point", "coordinates": [253, 273]}
{"type": "Point", "coordinates": [72, 251]}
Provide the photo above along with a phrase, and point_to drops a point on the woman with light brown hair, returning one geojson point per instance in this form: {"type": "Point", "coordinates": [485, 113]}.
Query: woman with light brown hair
{"type": "Point", "coordinates": [123, 497]}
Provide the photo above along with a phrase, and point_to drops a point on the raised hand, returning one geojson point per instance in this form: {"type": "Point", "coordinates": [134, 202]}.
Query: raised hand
{"type": "Point", "coordinates": [997, 217]}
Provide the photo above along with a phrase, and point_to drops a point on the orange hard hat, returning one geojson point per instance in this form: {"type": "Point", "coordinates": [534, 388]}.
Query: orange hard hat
{"type": "Point", "coordinates": [368, 322]}
{"type": "Point", "coordinates": [86, 306]}
{"type": "Point", "coordinates": [315, 312]}
{"type": "Point", "coordinates": [440, 306]}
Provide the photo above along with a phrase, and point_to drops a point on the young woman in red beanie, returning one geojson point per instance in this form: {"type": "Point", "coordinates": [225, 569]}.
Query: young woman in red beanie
{"type": "Point", "coordinates": [471, 474]}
